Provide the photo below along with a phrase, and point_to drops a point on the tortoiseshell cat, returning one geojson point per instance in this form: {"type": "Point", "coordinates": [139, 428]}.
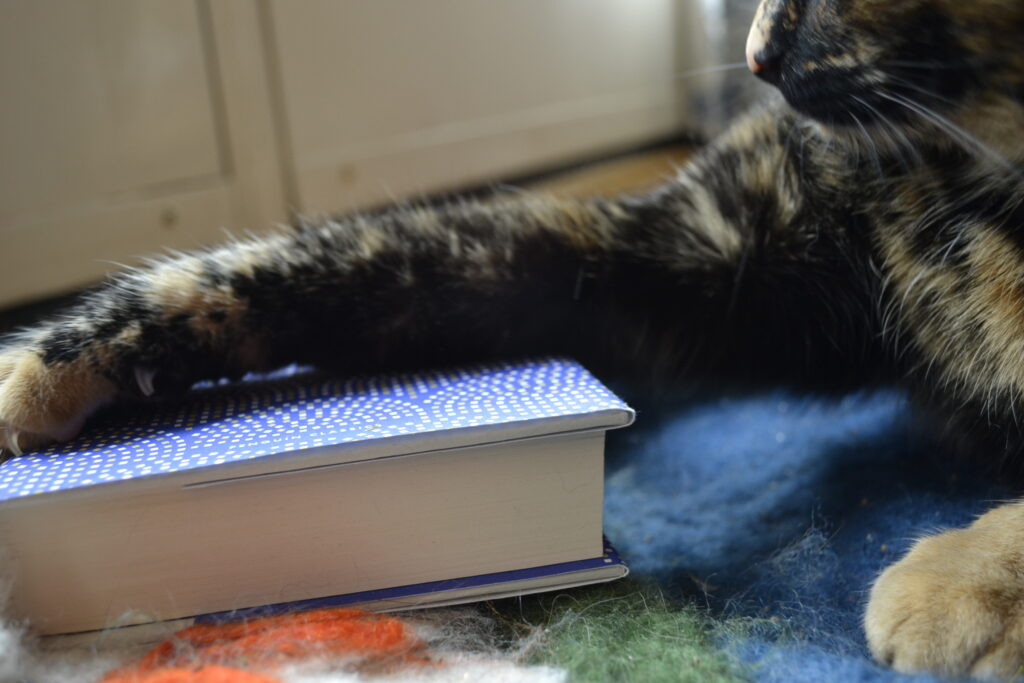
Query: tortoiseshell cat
{"type": "Point", "coordinates": [865, 226]}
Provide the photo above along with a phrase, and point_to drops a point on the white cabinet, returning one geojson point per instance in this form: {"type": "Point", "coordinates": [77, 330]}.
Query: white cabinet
{"type": "Point", "coordinates": [119, 135]}
{"type": "Point", "coordinates": [384, 98]}
{"type": "Point", "coordinates": [131, 125]}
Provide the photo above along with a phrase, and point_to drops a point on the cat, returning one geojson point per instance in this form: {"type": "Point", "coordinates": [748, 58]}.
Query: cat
{"type": "Point", "coordinates": [862, 225]}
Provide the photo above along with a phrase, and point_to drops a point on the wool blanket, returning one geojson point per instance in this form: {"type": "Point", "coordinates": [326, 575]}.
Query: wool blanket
{"type": "Point", "coordinates": [778, 511]}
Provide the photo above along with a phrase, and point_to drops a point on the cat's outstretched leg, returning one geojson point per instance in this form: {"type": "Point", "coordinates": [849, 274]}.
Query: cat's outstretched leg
{"type": "Point", "coordinates": [742, 269]}
{"type": "Point", "coordinates": [409, 286]}
{"type": "Point", "coordinates": [955, 604]}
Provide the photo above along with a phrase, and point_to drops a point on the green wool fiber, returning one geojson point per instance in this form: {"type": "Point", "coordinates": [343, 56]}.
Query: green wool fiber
{"type": "Point", "coordinates": [624, 631]}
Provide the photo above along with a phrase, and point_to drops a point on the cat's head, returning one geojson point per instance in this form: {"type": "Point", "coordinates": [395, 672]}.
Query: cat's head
{"type": "Point", "coordinates": [856, 62]}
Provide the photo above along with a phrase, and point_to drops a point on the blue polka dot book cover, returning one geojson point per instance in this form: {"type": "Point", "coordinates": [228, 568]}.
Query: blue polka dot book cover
{"type": "Point", "coordinates": [389, 491]}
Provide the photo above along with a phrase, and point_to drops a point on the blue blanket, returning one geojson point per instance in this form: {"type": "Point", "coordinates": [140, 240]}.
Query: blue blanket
{"type": "Point", "coordinates": [778, 511]}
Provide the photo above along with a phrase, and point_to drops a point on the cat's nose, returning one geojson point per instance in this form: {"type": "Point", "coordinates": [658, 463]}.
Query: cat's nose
{"type": "Point", "coordinates": [766, 65]}
{"type": "Point", "coordinates": [764, 59]}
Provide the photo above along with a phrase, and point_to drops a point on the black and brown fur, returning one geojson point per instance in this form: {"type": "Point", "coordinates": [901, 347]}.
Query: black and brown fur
{"type": "Point", "coordinates": [867, 225]}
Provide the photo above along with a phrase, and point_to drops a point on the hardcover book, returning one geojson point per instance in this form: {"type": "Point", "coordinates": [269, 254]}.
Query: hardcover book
{"type": "Point", "coordinates": [306, 486]}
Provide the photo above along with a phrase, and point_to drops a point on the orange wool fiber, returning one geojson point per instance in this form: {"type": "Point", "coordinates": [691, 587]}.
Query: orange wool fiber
{"type": "Point", "coordinates": [249, 651]}
{"type": "Point", "coordinates": [206, 674]}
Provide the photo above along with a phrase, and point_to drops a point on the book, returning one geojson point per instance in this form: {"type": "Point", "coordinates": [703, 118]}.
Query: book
{"type": "Point", "coordinates": [304, 486]}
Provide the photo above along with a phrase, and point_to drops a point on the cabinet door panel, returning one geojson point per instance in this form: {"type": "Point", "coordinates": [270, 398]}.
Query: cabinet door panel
{"type": "Point", "coordinates": [101, 97]}
{"type": "Point", "coordinates": [116, 137]}
{"type": "Point", "coordinates": [391, 97]}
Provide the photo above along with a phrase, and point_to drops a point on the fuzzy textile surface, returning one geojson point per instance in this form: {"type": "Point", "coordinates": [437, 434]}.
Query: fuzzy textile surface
{"type": "Point", "coordinates": [779, 511]}
{"type": "Point", "coordinates": [756, 523]}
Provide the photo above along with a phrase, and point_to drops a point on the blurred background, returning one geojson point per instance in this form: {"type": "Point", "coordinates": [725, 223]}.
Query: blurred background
{"type": "Point", "coordinates": [130, 126]}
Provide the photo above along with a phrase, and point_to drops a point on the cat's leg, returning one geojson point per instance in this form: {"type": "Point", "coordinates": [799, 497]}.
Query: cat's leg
{"type": "Point", "coordinates": [404, 287]}
{"type": "Point", "coordinates": [732, 270]}
{"type": "Point", "coordinates": [955, 604]}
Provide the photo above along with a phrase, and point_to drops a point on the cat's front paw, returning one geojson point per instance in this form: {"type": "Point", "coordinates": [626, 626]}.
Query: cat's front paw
{"type": "Point", "coordinates": [955, 604]}
{"type": "Point", "coordinates": [42, 402]}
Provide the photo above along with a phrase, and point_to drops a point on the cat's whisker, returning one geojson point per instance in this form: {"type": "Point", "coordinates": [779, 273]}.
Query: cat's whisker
{"type": "Point", "coordinates": [924, 91]}
{"type": "Point", "coordinates": [704, 71]}
{"type": "Point", "coordinates": [909, 64]}
{"type": "Point", "coordinates": [943, 123]}
{"type": "Point", "coordinates": [906, 154]}
{"type": "Point", "coordinates": [870, 142]}
{"type": "Point", "coordinates": [953, 244]}
{"type": "Point", "coordinates": [899, 146]}
{"type": "Point", "coordinates": [955, 132]}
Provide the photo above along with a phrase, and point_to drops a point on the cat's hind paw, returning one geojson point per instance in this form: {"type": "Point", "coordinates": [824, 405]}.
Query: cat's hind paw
{"type": "Point", "coordinates": [43, 402]}
{"type": "Point", "coordinates": [955, 604]}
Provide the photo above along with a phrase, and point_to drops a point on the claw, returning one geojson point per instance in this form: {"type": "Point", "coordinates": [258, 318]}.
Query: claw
{"type": "Point", "coordinates": [144, 378]}
{"type": "Point", "coordinates": [12, 443]}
